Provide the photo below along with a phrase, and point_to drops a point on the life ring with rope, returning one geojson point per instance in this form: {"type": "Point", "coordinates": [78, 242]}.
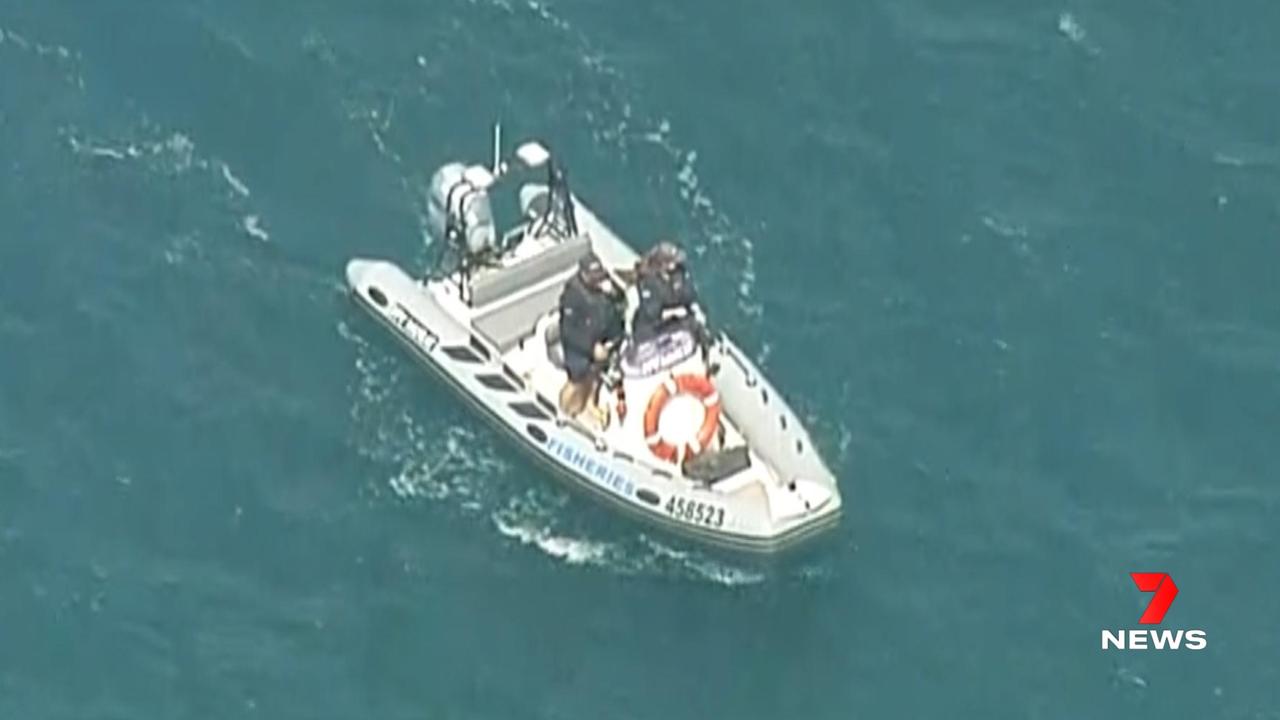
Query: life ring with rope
{"type": "Point", "coordinates": [698, 386]}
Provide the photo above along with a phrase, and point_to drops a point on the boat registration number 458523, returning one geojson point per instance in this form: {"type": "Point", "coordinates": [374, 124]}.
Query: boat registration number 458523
{"type": "Point", "coordinates": [692, 511]}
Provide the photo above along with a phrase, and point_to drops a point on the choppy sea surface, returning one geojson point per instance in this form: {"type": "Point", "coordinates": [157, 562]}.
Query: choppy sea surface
{"type": "Point", "coordinates": [1015, 262]}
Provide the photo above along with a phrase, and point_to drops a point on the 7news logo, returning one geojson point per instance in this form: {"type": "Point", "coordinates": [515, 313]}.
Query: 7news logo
{"type": "Point", "coordinates": [1165, 591]}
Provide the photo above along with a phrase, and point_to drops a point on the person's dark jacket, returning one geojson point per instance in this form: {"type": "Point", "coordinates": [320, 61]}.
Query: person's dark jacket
{"type": "Point", "coordinates": [587, 316]}
{"type": "Point", "coordinates": [662, 291]}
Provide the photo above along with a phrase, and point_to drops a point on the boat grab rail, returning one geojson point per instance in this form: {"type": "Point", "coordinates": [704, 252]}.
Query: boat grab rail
{"type": "Point", "coordinates": [794, 439]}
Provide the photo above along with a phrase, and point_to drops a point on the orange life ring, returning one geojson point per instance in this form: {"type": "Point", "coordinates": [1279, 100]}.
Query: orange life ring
{"type": "Point", "coordinates": [697, 385]}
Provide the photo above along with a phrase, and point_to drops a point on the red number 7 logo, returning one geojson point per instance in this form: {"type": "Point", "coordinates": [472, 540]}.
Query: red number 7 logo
{"type": "Point", "coordinates": [1165, 591]}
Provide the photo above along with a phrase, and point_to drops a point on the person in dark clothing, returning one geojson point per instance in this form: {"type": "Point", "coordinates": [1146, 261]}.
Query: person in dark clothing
{"type": "Point", "coordinates": [667, 295]}
{"type": "Point", "coordinates": [591, 325]}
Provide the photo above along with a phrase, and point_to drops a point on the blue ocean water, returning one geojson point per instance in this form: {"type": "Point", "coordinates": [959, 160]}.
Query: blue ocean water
{"type": "Point", "coordinates": [1015, 262]}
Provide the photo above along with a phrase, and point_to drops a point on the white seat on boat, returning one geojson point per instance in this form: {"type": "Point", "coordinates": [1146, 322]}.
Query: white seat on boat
{"type": "Point", "coordinates": [495, 285]}
{"type": "Point", "coordinates": [505, 326]}
{"type": "Point", "coordinates": [505, 316]}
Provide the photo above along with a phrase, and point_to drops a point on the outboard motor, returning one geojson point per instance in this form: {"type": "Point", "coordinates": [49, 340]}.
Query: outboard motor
{"type": "Point", "coordinates": [459, 211]}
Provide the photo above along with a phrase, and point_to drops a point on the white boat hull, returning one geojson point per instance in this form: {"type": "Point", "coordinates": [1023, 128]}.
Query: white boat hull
{"type": "Point", "coordinates": [486, 342]}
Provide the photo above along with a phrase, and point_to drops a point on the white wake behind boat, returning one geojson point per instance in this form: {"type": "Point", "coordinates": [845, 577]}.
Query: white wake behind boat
{"type": "Point", "coordinates": [746, 475]}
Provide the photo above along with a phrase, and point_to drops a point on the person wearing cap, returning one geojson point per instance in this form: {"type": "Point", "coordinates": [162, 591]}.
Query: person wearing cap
{"type": "Point", "coordinates": [591, 325]}
{"type": "Point", "coordinates": [667, 296]}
